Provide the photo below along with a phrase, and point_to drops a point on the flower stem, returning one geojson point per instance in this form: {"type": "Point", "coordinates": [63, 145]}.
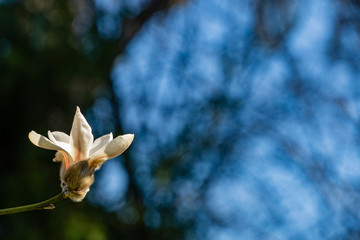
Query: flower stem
{"type": "Point", "coordinates": [48, 204]}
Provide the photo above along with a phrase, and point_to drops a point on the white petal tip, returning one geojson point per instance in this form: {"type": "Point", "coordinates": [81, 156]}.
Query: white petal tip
{"type": "Point", "coordinates": [32, 135]}
{"type": "Point", "coordinates": [113, 149]}
{"type": "Point", "coordinates": [129, 137]}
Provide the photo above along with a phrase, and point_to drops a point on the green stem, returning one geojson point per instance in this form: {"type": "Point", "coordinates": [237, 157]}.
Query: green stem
{"type": "Point", "coordinates": [48, 204]}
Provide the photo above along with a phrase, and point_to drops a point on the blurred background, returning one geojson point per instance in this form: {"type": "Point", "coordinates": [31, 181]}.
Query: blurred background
{"type": "Point", "coordinates": [245, 113]}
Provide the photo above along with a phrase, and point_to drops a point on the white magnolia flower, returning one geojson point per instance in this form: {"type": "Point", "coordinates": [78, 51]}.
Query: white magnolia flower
{"type": "Point", "coordinates": [79, 154]}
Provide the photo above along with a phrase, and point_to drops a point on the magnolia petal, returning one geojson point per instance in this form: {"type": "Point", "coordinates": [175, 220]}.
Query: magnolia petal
{"type": "Point", "coordinates": [111, 150]}
{"type": "Point", "coordinates": [100, 142]}
{"type": "Point", "coordinates": [44, 142]}
{"type": "Point", "coordinates": [51, 137]}
{"type": "Point", "coordinates": [65, 146]}
{"type": "Point", "coordinates": [81, 137]}
{"type": "Point", "coordinates": [61, 137]}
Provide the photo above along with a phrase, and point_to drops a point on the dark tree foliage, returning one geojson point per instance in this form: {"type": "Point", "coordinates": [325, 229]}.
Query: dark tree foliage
{"type": "Point", "coordinates": [245, 116]}
{"type": "Point", "coordinates": [52, 58]}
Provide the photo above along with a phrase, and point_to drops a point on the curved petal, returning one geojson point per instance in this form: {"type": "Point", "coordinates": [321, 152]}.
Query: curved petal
{"type": "Point", "coordinates": [81, 137]}
{"type": "Point", "coordinates": [51, 137]}
{"type": "Point", "coordinates": [100, 142]}
{"type": "Point", "coordinates": [45, 143]}
{"type": "Point", "coordinates": [42, 141]}
{"type": "Point", "coordinates": [61, 137]}
{"type": "Point", "coordinates": [65, 146]}
{"type": "Point", "coordinates": [111, 150]}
